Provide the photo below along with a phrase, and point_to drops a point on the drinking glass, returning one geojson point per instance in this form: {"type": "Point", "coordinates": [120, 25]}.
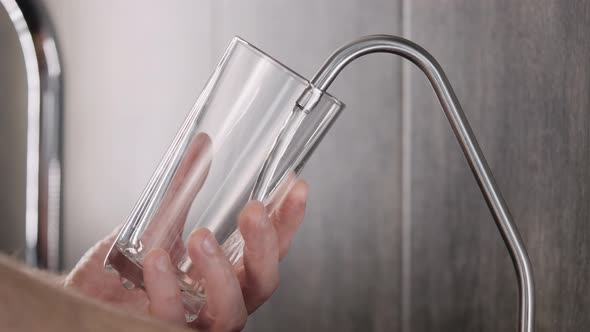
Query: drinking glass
{"type": "Point", "coordinates": [246, 137]}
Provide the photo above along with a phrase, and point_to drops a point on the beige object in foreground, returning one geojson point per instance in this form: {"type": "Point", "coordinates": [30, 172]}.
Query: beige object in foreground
{"type": "Point", "coordinates": [28, 303]}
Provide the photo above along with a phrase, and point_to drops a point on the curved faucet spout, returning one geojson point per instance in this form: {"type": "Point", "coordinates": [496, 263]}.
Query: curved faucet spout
{"type": "Point", "coordinates": [466, 138]}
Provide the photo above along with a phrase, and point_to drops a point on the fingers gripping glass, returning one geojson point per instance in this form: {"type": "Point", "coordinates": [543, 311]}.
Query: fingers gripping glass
{"type": "Point", "coordinates": [245, 138]}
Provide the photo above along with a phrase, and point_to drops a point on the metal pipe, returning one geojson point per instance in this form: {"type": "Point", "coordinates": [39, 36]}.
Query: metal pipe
{"type": "Point", "coordinates": [421, 58]}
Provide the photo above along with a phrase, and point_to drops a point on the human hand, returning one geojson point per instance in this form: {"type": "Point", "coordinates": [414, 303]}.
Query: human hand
{"type": "Point", "coordinates": [233, 292]}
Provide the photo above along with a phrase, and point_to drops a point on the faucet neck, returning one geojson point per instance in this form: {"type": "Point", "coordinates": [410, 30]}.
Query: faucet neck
{"type": "Point", "coordinates": [448, 100]}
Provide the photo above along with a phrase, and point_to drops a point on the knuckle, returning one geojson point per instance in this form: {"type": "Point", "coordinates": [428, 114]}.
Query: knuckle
{"type": "Point", "coordinates": [254, 252]}
{"type": "Point", "coordinates": [285, 248]}
{"type": "Point", "coordinates": [241, 320]}
{"type": "Point", "coordinates": [237, 323]}
{"type": "Point", "coordinates": [269, 287]}
{"type": "Point", "coordinates": [172, 299]}
{"type": "Point", "coordinates": [260, 291]}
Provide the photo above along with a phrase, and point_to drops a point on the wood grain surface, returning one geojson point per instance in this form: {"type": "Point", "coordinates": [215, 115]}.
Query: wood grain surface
{"type": "Point", "coordinates": [522, 72]}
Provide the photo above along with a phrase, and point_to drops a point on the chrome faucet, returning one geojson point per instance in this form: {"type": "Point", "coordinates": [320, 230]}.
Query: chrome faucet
{"type": "Point", "coordinates": [43, 130]}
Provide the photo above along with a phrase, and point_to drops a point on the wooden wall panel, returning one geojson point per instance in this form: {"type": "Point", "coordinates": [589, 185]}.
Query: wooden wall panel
{"type": "Point", "coordinates": [522, 72]}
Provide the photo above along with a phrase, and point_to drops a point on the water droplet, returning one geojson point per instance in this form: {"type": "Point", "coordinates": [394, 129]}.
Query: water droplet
{"type": "Point", "coordinates": [189, 317]}
{"type": "Point", "coordinates": [127, 283]}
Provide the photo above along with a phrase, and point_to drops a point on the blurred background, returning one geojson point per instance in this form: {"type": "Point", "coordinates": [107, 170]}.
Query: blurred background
{"type": "Point", "coordinates": [397, 236]}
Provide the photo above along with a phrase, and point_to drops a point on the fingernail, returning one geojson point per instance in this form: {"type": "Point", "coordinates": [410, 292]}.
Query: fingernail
{"type": "Point", "coordinates": [302, 190]}
{"type": "Point", "coordinates": [263, 219]}
{"type": "Point", "coordinates": [162, 264]}
{"type": "Point", "coordinates": [209, 244]}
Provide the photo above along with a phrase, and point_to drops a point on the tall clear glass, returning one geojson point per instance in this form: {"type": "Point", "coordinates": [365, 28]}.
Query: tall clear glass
{"type": "Point", "coordinates": [245, 138]}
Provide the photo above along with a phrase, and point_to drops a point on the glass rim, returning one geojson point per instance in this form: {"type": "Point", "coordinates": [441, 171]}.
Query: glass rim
{"type": "Point", "coordinates": [241, 41]}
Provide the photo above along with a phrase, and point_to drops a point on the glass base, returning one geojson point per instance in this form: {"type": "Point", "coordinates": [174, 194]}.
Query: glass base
{"type": "Point", "coordinates": [131, 274]}
{"type": "Point", "coordinates": [126, 264]}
